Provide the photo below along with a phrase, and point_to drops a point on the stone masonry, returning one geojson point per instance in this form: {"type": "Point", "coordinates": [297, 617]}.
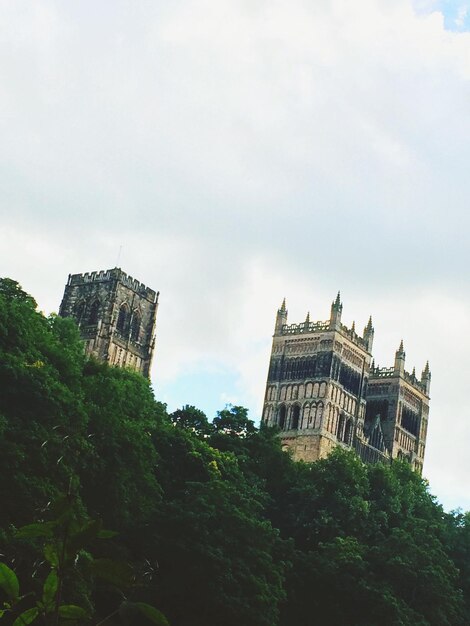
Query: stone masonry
{"type": "Point", "coordinates": [323, 391]}
{"type": "Point", "coordinates": [116, 316]}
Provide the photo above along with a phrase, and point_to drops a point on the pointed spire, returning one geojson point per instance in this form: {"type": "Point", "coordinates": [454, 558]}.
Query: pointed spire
{"type": "Point", "coordinates": [335, 315]}
{"type": "Point", "coordinates": [307, 319]}
{"type": "Point", "coordinates": [400, 355]}
{"type": "Point", "coordinates": [281, 317]}
{"type": "Point", "coordinates": [413, 373]}
{"type": "Point", "coordinates": [426, 377]}
{"type": "Point", "coordinates": [372, 365]}
{"type": "Point", "coordinates": [353, 328]}
{"type": "Point", "coordinates": [369, 326]}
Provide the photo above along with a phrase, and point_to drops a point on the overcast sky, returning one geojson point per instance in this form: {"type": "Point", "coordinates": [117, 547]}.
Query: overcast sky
{"type": "Point", "coordinates": [241, 151]}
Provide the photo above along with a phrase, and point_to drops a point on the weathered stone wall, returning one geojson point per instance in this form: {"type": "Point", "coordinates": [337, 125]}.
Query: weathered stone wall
{"type": "Point", "coordinates": [116, 315]}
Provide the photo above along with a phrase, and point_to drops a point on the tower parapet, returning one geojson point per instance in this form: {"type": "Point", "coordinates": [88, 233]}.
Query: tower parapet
{"type": "Point", "coordinates": [324, 390]}
{"type": "Point", "coordinates": [116, 316]}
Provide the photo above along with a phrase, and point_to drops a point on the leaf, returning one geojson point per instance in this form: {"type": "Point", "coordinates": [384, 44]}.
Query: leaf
{"type": "Point", "coordinates": [71, 611]}
{"type": "Point", "coordinates": [50, 588]}
{"type": "Point", "coordinates": [41, 529]}
{"type": "Point", "coordinates": [50, 554]}
{"type": "Point", "coordinates": [27, 617]}
{"type": "Point", "coordinates": [9, 582]}
{"type": "Point", "coordinates": [83, 536]}
{"type": "Point", "coordinates": [151, 613]}
{"type": "Point", "coordinates": [107, 534]}
{"type": "Point", "coordinates": [118, 573]}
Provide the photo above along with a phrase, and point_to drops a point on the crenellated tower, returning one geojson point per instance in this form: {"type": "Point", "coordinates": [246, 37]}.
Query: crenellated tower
{"type": "Point", "coordinates": [323, 391]}
{"type": "Point", "coordinates": [116, 316]}
{"type": "Point", "coordinates": [317, 383]}
{"type": "Point", "coordinates": [400, 401]}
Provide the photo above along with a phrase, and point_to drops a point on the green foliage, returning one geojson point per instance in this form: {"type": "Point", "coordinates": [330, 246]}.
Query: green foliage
{"type": "Point", "coordinates": [216, 525]}
{"type": "Point", "coordinates": [191, 419]}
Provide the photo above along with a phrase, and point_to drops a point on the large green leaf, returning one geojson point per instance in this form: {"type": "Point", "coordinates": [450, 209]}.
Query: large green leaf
{"type": "Point", "coordinates": [71, 611]}
{"type": "Point", "coordinates": [50, 554]}
{"type": "Point", "coordinates": [118, 573]}
{"type": "Point", "coordinates": [9, 582]}
{"type": "Point", "coordinates": [107, 534]}
{"type": "Point", "coordinates": [82, 537]}
{"type": "Point", "coordinates": [151, 613]}
{"type": "Point", "coordinates": [50, 588]}
{"type": "Point", "coordinates": [27, 617]}
{"type": "Point", "coordinates": [31, 531]}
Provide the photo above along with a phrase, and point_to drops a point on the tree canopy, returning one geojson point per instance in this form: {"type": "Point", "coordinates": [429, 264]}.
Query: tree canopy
{"type": "Point", "coordinates": [217, 523]}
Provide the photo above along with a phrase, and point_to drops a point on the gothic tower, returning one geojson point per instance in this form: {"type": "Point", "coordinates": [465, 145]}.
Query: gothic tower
{"type": "Point", "coordinates": [316, 385]}
{"type": "Point", "coordinates": [400, 401]}
{"type": "Point", "coordinates": [323, 392]}
{"type": "Point", "coordinates": [116, 316]}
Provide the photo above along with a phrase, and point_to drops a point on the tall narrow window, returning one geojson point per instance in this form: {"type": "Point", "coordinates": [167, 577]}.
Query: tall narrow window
{"type": "Point", "coordinates": [94, 313]}
{"type": "Point", "coordinates": [295, 417]}
{"type": "Point", "coordinates": [135, 326]}
{"type": "Point", "coordinates": [123, 319]}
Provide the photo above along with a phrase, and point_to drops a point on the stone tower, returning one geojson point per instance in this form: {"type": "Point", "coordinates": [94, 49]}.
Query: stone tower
{"type": "Point", "coordinates": [322, 392]}
{"type": "Point", "coordinates": [400, 401]}
{"type": "Point", "coordinates": [116, 316]}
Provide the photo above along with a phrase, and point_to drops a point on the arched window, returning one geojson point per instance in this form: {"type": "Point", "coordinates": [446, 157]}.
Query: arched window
{"type": "Point", "coordinates": [319, 415]}
{"type": "Point", "coordinates": [135, 326]}
{"type": "Point", "coordinates": [282, 416]}
{"type": "Point", "coordinates": [340, 431]}
{"type": "Point", "coordinates": [305, 418]}
{"type": "Point", "coordinates": [295, 417]}
{"type": "Point", "coordinates": [94, 313]}
{"type": "Point", "coordinates": [348, 432]}
{"type": "Point", "coordinates": [123, 319]}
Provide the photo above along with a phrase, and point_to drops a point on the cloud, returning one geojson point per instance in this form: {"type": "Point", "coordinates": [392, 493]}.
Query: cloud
{"type": "Point", "coordinates": [241, 152]}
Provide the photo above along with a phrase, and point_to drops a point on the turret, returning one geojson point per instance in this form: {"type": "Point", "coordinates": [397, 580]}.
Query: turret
{"type": "Point", "coordinates": [369, 335]}
{"type": "Point", "coordinates": [399, 367]}
{"type": "Point", "coordinates": [281, 318]}
{"type": "Point", "coordinates": [426, 378]}
{"type": "Point", "coordinates": [307, 321]}
{"type": "Point", "coordinates": [335, 315]}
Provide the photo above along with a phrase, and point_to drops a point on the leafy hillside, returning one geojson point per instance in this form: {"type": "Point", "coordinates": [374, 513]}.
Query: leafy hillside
{"type": "Point", "coordinates": [217, 524]}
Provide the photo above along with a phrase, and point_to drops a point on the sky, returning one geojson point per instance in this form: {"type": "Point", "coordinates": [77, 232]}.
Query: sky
{"type": "Point", "coordinates": [229, 154]}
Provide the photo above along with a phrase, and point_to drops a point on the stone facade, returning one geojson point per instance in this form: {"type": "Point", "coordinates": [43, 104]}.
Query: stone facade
{"type": "Point", "coordinates": [323, 391]}
{"type": "Point", "coordinates": [116, 316]}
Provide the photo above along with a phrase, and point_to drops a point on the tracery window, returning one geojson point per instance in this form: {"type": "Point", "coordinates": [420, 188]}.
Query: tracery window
{"type": "Point", "coordinates": [94, 313]}
{"type": "Point", "coordinates": [135, 326]}
{"type": "Point", "coordinates": [123, 319]}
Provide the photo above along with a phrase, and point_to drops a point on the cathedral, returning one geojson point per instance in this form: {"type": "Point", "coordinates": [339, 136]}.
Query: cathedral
{"type": "Point", "coordinates": [116, 316]}
{"type": "Point", "coordinates": [323, 391]}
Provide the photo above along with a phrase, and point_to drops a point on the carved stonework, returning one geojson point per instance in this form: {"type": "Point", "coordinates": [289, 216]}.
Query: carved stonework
{"type": "Point", "coordinates": [324, 390]}
{"type": "Point", "coordinates": [116, 316]}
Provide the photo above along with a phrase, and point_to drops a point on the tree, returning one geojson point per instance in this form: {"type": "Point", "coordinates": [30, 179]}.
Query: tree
{"type": "Point", "coordinates": [191, 418]}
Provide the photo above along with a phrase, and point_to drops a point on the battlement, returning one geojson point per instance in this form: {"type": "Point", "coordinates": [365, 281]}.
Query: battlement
{"type": "Point", "coordinates": [389, 372]}
{"type": "Point", "coordinates": [382, 372]}
{"type": "Point", "coordinates": [305, 327]}
{"type": "Point", "coordinates": [113, 274]}
{"type": "Point", "coordinates": [321, 327]}
{"type": "Point", "coordinates": [412, 380]}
